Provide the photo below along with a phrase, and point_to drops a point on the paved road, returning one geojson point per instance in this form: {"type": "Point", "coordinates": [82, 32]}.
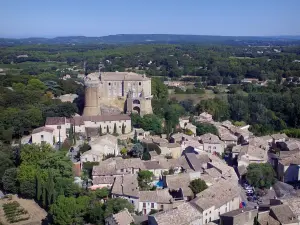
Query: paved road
{"type": "Point", "coordinates": [244, 198]}
{"type": "Point", "coordinates": [73, 154]}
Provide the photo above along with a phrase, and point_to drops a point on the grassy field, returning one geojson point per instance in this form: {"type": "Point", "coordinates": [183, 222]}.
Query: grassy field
{"type": "Point", "coordinates": [209, 94]}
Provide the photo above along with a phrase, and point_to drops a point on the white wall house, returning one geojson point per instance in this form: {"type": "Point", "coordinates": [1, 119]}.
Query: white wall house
{"type": "Point", "coordinates": [61, 125]}
{"type": "Point", "coordinates": [42, 135]}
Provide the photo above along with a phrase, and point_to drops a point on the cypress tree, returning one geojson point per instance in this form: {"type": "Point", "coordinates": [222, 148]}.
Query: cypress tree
{"type": "Point", "coordinates": [100, 131]}
{"type": "Point", "coordinates": [38, 187]}
{"type": "Point", "coordinates": [123, 128]}
{"type": "Point", "coordinates": [44, 196]}
{"type": "Point", "coordinates": [50, 188]}
{"type": "Point", "coordinates": [115, 129]}
{"type": "Point", "coordinates": [135, 140]}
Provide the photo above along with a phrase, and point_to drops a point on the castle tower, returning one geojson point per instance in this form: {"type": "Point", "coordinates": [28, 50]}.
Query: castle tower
{"type": "Point", "coordinates": [91, 98]}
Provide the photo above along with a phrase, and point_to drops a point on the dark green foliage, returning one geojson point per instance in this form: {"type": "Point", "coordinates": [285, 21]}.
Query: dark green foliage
{"type": "Point", "coordinates": [145, 178]}
{"type": "Point", "coordinates": [260, 175]}
{"type": "Point", "coordinates": [27, 189]}
{"type": "Point", "coordinates": [197, 186]}
{"type": "Point", "coordinates": [9, 180]}
{"type": "Point", "coordinates": [115, 205]}
{"type": "Point", "coordinates": [137, 150]}
{"type": "Point", "coordinates": [203, 128]}
{"type": "Point", "coordinates": [218, 108]}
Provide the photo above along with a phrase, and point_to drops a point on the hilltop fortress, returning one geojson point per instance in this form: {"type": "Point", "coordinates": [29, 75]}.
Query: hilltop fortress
{"type": "Point", "coordinates": [126, 91]}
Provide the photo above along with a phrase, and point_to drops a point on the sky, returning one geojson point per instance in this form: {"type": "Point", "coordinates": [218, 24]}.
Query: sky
{"type": "Point", "coordinates": [51, 18]}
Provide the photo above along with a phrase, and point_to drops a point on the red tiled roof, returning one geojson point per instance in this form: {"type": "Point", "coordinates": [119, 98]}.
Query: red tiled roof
{"type": "Point", "coordinates": [40, 129]}
{"type": "Point", "coordinates": [55, 120]}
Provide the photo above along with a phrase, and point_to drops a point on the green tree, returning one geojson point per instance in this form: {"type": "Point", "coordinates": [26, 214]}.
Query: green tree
{"type": "Point", "coordinates": [31, 154]}
{"type": "Point", "coordinates": [203, 128]}
{"type": "Point", "coordinates": [145, 177]}
{"type": "Point", "coordinates": [102, 193]}
{"type": "Point", "coordinates": [115, 205]}
{"type": "Point", "coordinates": [28, 189]}
{"type": "Point", "coordinates": [260, 175]}
{"type": "Point", "coordinates": [151, 122]}
{"type": "Point", "coordinates": [6, 163]}
{"type": "Point", "coordinates": [197, 186]}
{"type": "Point", "coordinates": [9, 180]}
{"type": "Point", "coordinates": [137, 150]}
{"type": "Point", "coordinates": [69, 210]}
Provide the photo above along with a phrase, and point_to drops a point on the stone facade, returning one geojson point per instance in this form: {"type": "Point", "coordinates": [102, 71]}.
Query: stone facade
{"type": "Point", "coordinates": [127, 91]}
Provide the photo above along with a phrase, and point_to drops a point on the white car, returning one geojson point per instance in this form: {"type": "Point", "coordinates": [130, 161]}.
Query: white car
{"type": "Point", "coordinates": [249, 191]}
{"type": "Point", "coordinates": [249, 188]}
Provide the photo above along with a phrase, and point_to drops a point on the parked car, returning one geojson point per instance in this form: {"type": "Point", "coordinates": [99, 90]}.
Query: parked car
{"type": "Point", "coordinates": [249, 188]}
{"type": "Point", "coordinates": [249, 192]}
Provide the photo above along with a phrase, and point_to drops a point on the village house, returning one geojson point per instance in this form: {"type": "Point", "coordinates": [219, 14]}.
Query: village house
{"type": "Point", "coordinates": [184, 214]}
{"type": "Point", "coordinates": [126, 187]}
{"type": "Point", "coordinates": [115, 167]}
{"type": "Point", "coordinates": [121, 218]}
{"type": "Point", "coordinates": [185, 124]}
{"type": "Point", "coordinates": [279, 138]}
{"type": "Point", "coordinates": [100, 147]}
{"type": "Point", "coordinates": [244, 216]}
{"type": "Point", "coordinates": [204, 117]}
{"type": "Point", "coordinates": [288, 167]}
{"type": "Point", "coordinates": [42, 135]}
{"type": "Point", "coordinates": [252, 154]}
{"type": "Point", "coordinates": [155, 200]}
{"type": "Point", "coordinates": [289, 145]}
{"type": "Point", "coordinates": [212, 143]}
{"type": "Point", "coordinates": [283, 215]}
{"type": "Point", "coordinates": [80, 124]}
{"type": "Point", "coordinates": [222, 197]}
{"type": "Point", "coordinates": [180, 137]}
{"type": "Point", "coordinates": [294, 204]}
{"type": "Point", "coordinates": [102, 182]}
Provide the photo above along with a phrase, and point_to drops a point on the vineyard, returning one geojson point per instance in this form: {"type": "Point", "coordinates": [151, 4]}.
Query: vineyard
{"type": "Point", "coordinates": [18, 211]}
{"type": "Point", "coordinates": [14, 212]}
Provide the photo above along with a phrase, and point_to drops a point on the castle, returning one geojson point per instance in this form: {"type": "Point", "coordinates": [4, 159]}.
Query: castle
{"type": "Point", "coordinates": [127, 91]}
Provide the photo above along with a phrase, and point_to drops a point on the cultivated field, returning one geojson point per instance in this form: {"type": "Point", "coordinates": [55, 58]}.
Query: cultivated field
{"type": "Point", "coordinates": [34, 211]}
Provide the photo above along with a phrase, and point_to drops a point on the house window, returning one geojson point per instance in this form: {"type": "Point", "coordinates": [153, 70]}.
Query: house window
{"type": "Point", "coordinates": [122, 170]}
{"type": "Point", "coordinates": [109, 83]}
{"type": "Point", "coordinates": [140, 83]}
{"type": "Point", "coordinates": [162, 207]}
{"type": "Point", "coordinates": [215, 147]}
{"type": "Point", "coordinates": [152, 205]}
{"type": "Point", "coordinates": [144, 205]}
{"type": "Point", "coordinates": [94, 159]}
{"type": "Point", "coordinates": [209, 219]}
{"type": "Point", "coordinates": [42, 136]}
{"type": "Point", "coordinates": [209, 147]}
{"type": "Point", "coordinates": [206, 221]}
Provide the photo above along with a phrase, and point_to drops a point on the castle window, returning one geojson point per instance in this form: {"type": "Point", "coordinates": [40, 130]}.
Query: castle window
{"type": "Point", "coordinates": [140, 83]}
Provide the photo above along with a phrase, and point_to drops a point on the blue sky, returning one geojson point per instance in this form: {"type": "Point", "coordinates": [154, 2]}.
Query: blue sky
{"type": "Point", "coordinates": [50, 18]}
